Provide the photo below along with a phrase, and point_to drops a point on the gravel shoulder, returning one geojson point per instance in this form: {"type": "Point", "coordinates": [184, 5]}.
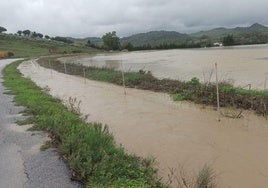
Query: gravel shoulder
{"type": "Point", "coordinates": [22, 164]}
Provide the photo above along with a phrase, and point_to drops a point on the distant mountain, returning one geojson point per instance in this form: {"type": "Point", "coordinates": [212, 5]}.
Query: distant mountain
{"type": "Point", "coordinates": [155, 38]}
{"type": "Point", "coordinates": [257, 26]}
{"type": "Point", "coordinates": [255, 33]}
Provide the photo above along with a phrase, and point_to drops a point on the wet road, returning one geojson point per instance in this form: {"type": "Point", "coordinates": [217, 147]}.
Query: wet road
{"type": "Point", "coordinates": [22, 164]}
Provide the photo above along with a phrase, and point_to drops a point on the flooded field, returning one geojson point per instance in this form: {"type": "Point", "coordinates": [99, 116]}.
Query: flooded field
{"type": "Point", "coordinates": [177, 134]}
{"type": "Point", "coordinates": [241, 65]}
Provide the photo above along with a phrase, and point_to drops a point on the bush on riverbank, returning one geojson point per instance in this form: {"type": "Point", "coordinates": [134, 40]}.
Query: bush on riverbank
{"type": "Point", "coordinates": [89, 149]}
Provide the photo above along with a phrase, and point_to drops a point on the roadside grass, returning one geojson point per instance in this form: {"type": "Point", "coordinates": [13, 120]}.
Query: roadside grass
{"type": "Point", "coordinates": [28, 47]}
{"type": "Point", "coordinates": [192, 90]}
{"type": "Point", "coordinates": [88, 148]}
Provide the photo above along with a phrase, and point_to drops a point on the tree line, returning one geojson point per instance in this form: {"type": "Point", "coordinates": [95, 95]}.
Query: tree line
{"type": "Point", "coordinates": [34, 34]}
{"type": "Point", "coordinates": [37, 35]}
{"type": "Point", "coordinates": [110, 41]}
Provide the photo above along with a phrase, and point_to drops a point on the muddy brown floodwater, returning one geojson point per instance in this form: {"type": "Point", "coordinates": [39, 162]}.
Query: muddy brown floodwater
{"type": "Point", "coordinates": [242, 65]}
{"type": "Point", "coordinates": [176, 133]}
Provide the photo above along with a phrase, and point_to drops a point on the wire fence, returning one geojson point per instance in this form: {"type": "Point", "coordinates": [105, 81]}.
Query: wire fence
{"type": "Point", "coordinates": [212, 91]}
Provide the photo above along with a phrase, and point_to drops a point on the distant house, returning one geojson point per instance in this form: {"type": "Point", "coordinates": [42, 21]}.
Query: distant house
{"type": "Point", "coordinates": [217, 44]}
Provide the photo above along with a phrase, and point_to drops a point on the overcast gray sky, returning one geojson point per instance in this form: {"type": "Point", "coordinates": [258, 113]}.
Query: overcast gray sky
{"type": "Point", "coordinates": [83, 18]}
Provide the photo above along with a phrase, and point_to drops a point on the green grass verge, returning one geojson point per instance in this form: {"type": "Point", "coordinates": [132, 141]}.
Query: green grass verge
{"type": "Point", "coordinates": [89, 149]}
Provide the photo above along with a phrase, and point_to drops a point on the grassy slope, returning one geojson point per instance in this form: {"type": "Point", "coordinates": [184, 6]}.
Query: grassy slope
{"type": "Point", "coordinates": [89, 149]}
{"type": "Point", "coordinates": [255, 33]}
{"type": "Point", "coordinates": [27, 47]}
{"type": "Point", "coordinates": [156, 38]}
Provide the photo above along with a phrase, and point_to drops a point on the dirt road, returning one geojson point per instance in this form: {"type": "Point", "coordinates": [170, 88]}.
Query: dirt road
{"type": "Point", "coordinates": [22, 164]}
{"type": "Point", "coordinates": [177, 134]}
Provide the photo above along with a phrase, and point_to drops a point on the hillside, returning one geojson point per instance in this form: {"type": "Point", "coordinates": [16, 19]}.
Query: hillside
{"type": "Point", "coordinates": [83, 41]}
{"type": "Point", "coordinates": [220, 32]}
{"type": "Point", "coordinates": [28, 47]}
{"type": "Point", "coordinates": [155, 38]}
{"type": "Point", "coordinates": [253, 34]}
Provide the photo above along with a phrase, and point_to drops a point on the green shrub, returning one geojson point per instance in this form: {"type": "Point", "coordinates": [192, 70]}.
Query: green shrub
{"type": "Point", "coordinates": [178, 97]}
{"type": "Point", "coordinates": [195, 81]}
{"type": "Point", "coordinates": [10, 54]}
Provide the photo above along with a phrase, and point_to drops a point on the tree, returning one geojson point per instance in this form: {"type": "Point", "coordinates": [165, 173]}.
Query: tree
{"type": "Point", "coordinates": [111, 41]}
{"type": "Point", "coordinates": [90, 44]}
{"type": "Point", "coordinates": [62, 39]}
{"type": "Point", "coordinates": [2, 29]}
{"type": "Point", "coordinates": [228, 40]}
{"type": "Point", "coordinates": [26, 32]}
{"type": "Point", "coordinates": [10, 54]}
{"type": "Point", "coordinates": [127, 45]}
{"type": "Point", "coordinates": [47, 37]}
{"type": "Point", "coordinates": [40, 35]}
{"type": "Point", "coordinates": [19, 32]}
{"type": "Point", "coordinates": [34, 35]}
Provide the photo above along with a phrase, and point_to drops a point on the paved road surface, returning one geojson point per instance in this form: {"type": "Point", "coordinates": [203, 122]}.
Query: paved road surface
{"type": "Point", "coordinates": [22, 164]}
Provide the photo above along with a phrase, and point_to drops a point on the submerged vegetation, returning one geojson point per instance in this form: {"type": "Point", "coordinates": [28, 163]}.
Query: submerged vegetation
{"type": "Point", "coordinates": [193, 90]}
{"type": "Point", "coordinates": [89, 149]}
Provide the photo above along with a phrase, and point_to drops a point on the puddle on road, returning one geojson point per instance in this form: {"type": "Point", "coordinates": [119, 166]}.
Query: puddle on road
{"type": "Point", "coordinates": [177, 134]}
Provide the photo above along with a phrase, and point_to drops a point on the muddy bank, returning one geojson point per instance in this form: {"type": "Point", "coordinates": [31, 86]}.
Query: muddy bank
{"type": "Point", "coordinates": [177, 134]}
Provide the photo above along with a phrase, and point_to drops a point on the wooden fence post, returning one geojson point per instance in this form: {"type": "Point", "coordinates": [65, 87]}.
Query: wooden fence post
{"type": "Point", "coordinates": [65, 68]}
{"type": "Point", "coordinates": [84, 71]}
{"type": "Point", "coordinates": [123, 78]}
{"type": "Point", "coordinates": [217, 88]}
{"type": "Point", "coordinates": [51, 72]}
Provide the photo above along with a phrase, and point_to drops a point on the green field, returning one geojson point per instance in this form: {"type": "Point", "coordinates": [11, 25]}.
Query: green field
{"type": "Point", "coordinates": [28, 47]}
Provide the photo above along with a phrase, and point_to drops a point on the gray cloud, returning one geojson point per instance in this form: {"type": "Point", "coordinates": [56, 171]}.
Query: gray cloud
{"type": "Point", "coordinates": [82, 18]}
